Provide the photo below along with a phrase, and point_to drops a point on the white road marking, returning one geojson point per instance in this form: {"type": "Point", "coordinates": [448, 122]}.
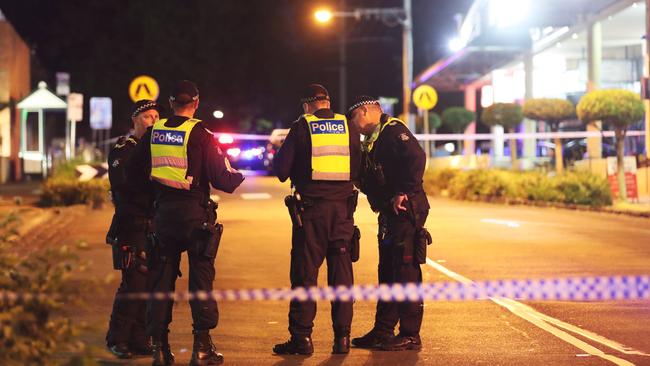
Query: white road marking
{"type": "Point", "coordinates": [544, 322]}
{"type": "Point", "coordinates": [215, 197]}
{"type": "Point", "coordinates": [507, 223]}
{"type": "Point", "coordinates": [256, 196]}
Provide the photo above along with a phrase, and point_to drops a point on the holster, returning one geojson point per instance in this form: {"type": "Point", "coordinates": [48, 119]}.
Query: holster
{"type": "Point", "coordinates": [353, 200]}
{"type": "Point", "coordinates": [422, 240]}
{"type": "Point", "coordinates": [294, 206]}
{"type": "Point", "coordinates": [153, 251]}
{"type": "Point", "coordinates": [355, 246]}
{"type": "Point", "coordinates": [213, 233]}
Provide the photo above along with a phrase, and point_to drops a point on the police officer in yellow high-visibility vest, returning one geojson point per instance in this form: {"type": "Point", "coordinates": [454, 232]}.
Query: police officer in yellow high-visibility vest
{"type": "Point", "coordinates": [184, 162]}
{"type": "Point", "coordinates": [321, 155]}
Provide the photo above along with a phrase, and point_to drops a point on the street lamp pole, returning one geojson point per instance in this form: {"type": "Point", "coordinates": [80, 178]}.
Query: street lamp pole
{"type": "Point", "coordinates": [400, 15]}
{"type": "Point", "coordinates": [343, 72]}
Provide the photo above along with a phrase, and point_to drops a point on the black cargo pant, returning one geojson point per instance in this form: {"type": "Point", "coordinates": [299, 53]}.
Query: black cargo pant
{"type": "Point", "coordinates": [397, 266]}
{"type": "Point", "coordinates": [327, 233]}
{"type": "Point", "coordinates": [174, 238]}
{"type": "Point", "coordinates": [127, 323]}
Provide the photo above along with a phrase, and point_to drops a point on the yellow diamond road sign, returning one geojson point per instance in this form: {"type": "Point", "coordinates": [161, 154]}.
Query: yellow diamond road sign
{"type": "Point", "coordinates": [143, 87]}
{"type": "Point", "coordinates": [425, 97]}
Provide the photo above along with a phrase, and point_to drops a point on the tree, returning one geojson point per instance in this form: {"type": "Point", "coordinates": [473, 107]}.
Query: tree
{"type": "Point", "coordinates": [508, 115]}
{"type": "Point", "coordinates": [457, 119]}
{"type": "Point", "coordinates": [551, 111]}
{"type": "Point", "coordinates": [618, 109]}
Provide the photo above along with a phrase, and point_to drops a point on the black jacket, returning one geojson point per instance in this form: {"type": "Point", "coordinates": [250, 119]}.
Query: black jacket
{"type": "Point", "coordinates": [132, 196]}
{"type": "Point", "coordinates": [402, 160]}
{"type": "Point", "coordinates": [293, 160]}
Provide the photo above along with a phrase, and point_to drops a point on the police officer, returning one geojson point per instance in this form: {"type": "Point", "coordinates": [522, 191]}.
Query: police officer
{"type": "Point", "coordinates": [391, 176]}
{"type": "Point", "coordinates": [321, 155]}
{"type": "Point", "coordinates": [183, 161]}
{"type": "Point", "coordinates": [126, 335]}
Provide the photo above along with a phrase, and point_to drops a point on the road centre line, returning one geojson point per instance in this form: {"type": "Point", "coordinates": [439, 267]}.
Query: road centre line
{"type": "Point", "coordinates": [255, 196]}
{"type": "Point", "coordinates": [544, 322]}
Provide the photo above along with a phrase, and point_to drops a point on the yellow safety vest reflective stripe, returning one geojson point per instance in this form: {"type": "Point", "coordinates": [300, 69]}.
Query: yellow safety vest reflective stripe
{"type": "Point", "coordinates": [169, 153]}
{"type": "Point", "coordinates": [330, 147]}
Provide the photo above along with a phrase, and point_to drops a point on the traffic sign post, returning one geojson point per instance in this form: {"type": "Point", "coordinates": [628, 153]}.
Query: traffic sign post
{"type": "Point", "coordinates": [143, 87]}
{"type": "Point", "coordinates": [425, 98]}
{"type": "Point", "coordinates": [75, 114]}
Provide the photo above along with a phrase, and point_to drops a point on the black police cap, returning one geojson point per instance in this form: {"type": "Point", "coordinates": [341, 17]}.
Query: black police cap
{"type": "Point", "coordinates": [144, 105]}
{"type": "Point", "coordinates": [184, 92]}
{"type": "Point", "coordinates": [361, 100]}
{"type": "Point", "coordinates": [314, 92]}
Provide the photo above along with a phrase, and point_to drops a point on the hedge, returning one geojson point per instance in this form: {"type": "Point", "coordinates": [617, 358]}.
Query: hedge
{"type": "Point", "coordinates": [63, 191]}
{"type": "Point", "coordinates": [574, 188]}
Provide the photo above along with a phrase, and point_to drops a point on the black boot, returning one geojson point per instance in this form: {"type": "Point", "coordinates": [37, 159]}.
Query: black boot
{"type": "Point", "coordinates": [204, 353]}
{"type": "Point", "coordinates": [162, 352]}
{"type": "Point", "coordinates": [341, 345]}
{"type": "Point", "coordinates": [120, 350]}
{"type": "Point", "coordinates": [295, 346]}
{"type": "Point", "coordinates": [372, 339]}
{"type": "Point", "coordinates": [403, 343]}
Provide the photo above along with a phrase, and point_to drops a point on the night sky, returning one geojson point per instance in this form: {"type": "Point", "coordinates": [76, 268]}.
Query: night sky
{"type": "Point", "coordinates": [250, 58]}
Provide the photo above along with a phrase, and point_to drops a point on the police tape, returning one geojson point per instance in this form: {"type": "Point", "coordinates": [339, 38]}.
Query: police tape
{"type": "Point", "coordinates": [555, 289]}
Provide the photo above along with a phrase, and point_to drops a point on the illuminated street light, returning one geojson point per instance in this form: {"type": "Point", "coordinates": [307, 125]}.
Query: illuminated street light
{"type": "Point", "coordinates": [323, 15]}
{"type": "Point", "coordinates": [217, 114]}
{"type": "Point", "coordinates": [455, 44]}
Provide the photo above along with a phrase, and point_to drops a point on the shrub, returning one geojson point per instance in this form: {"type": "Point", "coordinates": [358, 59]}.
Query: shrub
{"type": "Point", "coordinates": [69, 191]}
{"type": "Point", "coordinates": [497, 185]}
{"type": "Point", "coordinates": [30, 333]}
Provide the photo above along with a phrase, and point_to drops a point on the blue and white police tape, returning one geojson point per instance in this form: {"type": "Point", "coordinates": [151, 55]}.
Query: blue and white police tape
{"type": "Point", "coordinates": [561, 289]}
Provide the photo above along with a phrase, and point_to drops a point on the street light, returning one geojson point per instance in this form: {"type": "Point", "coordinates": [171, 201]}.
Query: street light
{"type": "Point", "coordinates": [403, 17]}
{"type": "Point", "coordinates": [323, 16]}
{"type": "Point", "coordinates": [217, 114]}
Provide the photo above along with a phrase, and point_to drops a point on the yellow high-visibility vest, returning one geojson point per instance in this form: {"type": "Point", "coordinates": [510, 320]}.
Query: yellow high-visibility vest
{"type": "Point", "coordinates": [169, 153]}
{"type": "Point", "coordinates": [330, 147]}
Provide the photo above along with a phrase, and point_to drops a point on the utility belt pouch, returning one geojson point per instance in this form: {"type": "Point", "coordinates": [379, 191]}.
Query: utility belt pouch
{"type": "Point", "coordinates": [214, 233]}
{"type": "Point", "coordinates": [152, 250]}
{"type": "Point", "coordinates": [293, 205]}
{"type": "Point", "coordinates": [355, 247]}
{"type": "Point", "coordinates": [117, 256]}
{"type": "Point", "coordinates": [422, 240]}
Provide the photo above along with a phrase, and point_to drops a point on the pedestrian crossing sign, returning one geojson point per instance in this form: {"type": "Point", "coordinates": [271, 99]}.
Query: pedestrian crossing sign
{"type": "Point", "coordinates": [143, 87]}
{"type": "Point", "coordinates": [425, 97]}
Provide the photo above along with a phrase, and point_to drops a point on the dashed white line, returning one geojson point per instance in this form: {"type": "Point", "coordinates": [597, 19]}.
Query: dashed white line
{"type": "Point", "coordinates": [544, 322]}
{"type": "Point", "coordinates": [256, 196]}
{"type": "Point", "coordinates": [513, 224]}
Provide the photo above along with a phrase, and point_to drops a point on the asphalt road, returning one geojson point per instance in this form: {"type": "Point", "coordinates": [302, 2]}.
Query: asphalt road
{"type": "Point", "coordinates": [472, 241]}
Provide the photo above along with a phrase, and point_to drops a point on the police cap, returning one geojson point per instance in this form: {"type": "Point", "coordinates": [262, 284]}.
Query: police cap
{"type": "Point", "coordinates": [361, 100]}
{"type": "Point", "coordinates": [184, 92]}
{"type": "Point", "coordinates": [144, 105]}
{"type": "Point", "coordinates": [314, 92]}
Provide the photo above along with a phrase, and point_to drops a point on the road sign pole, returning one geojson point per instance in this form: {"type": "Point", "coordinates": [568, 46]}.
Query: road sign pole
{"type": "Point", "coordinates": [427, 143]}
{"type": "Point", "coordinates": [73, 138]}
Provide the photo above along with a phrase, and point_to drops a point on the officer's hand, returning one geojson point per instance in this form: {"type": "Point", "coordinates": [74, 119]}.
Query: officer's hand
{"type": "Point", "coordinates": [229, 167]}
{"type": "Point", "coordinates": [398, 203]}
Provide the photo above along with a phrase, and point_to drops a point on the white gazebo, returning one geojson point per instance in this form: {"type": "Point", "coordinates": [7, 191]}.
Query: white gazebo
{"type": "Point", "coordinates": [42, 99]}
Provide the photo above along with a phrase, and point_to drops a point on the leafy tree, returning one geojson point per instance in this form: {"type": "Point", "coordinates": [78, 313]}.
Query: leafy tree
{"type": "Point", "coordinates": [508, 115]}
{"type": "Point", "coordinates": [618, 109]}
{"type": "Point", "coordinates": [551, 111]}
{"type": "Point", "coordinates": [457, 119]}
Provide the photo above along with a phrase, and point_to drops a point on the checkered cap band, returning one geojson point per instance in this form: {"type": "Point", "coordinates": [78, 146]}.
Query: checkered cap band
{"type": "Point", "coordinates": [143, 108]}
{"type": "Point", "coordinates": [362, 103]}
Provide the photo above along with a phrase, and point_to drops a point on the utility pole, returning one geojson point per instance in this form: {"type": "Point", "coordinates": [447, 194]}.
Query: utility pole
{"type": "Point", "coordinates": [407, 60]}
{"type": "Point", "coordinates": [343, 72]}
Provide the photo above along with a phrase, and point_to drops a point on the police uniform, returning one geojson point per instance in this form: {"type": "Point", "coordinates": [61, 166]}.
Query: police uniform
{"type": "Point", "coordinates": [132, 198]}
{"type": "Point", "coordinates": [183, 160]}
{"type": "Point", "coordinates": [393, 164]}
{"type": "Point", "coordinates": [321, 156]}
